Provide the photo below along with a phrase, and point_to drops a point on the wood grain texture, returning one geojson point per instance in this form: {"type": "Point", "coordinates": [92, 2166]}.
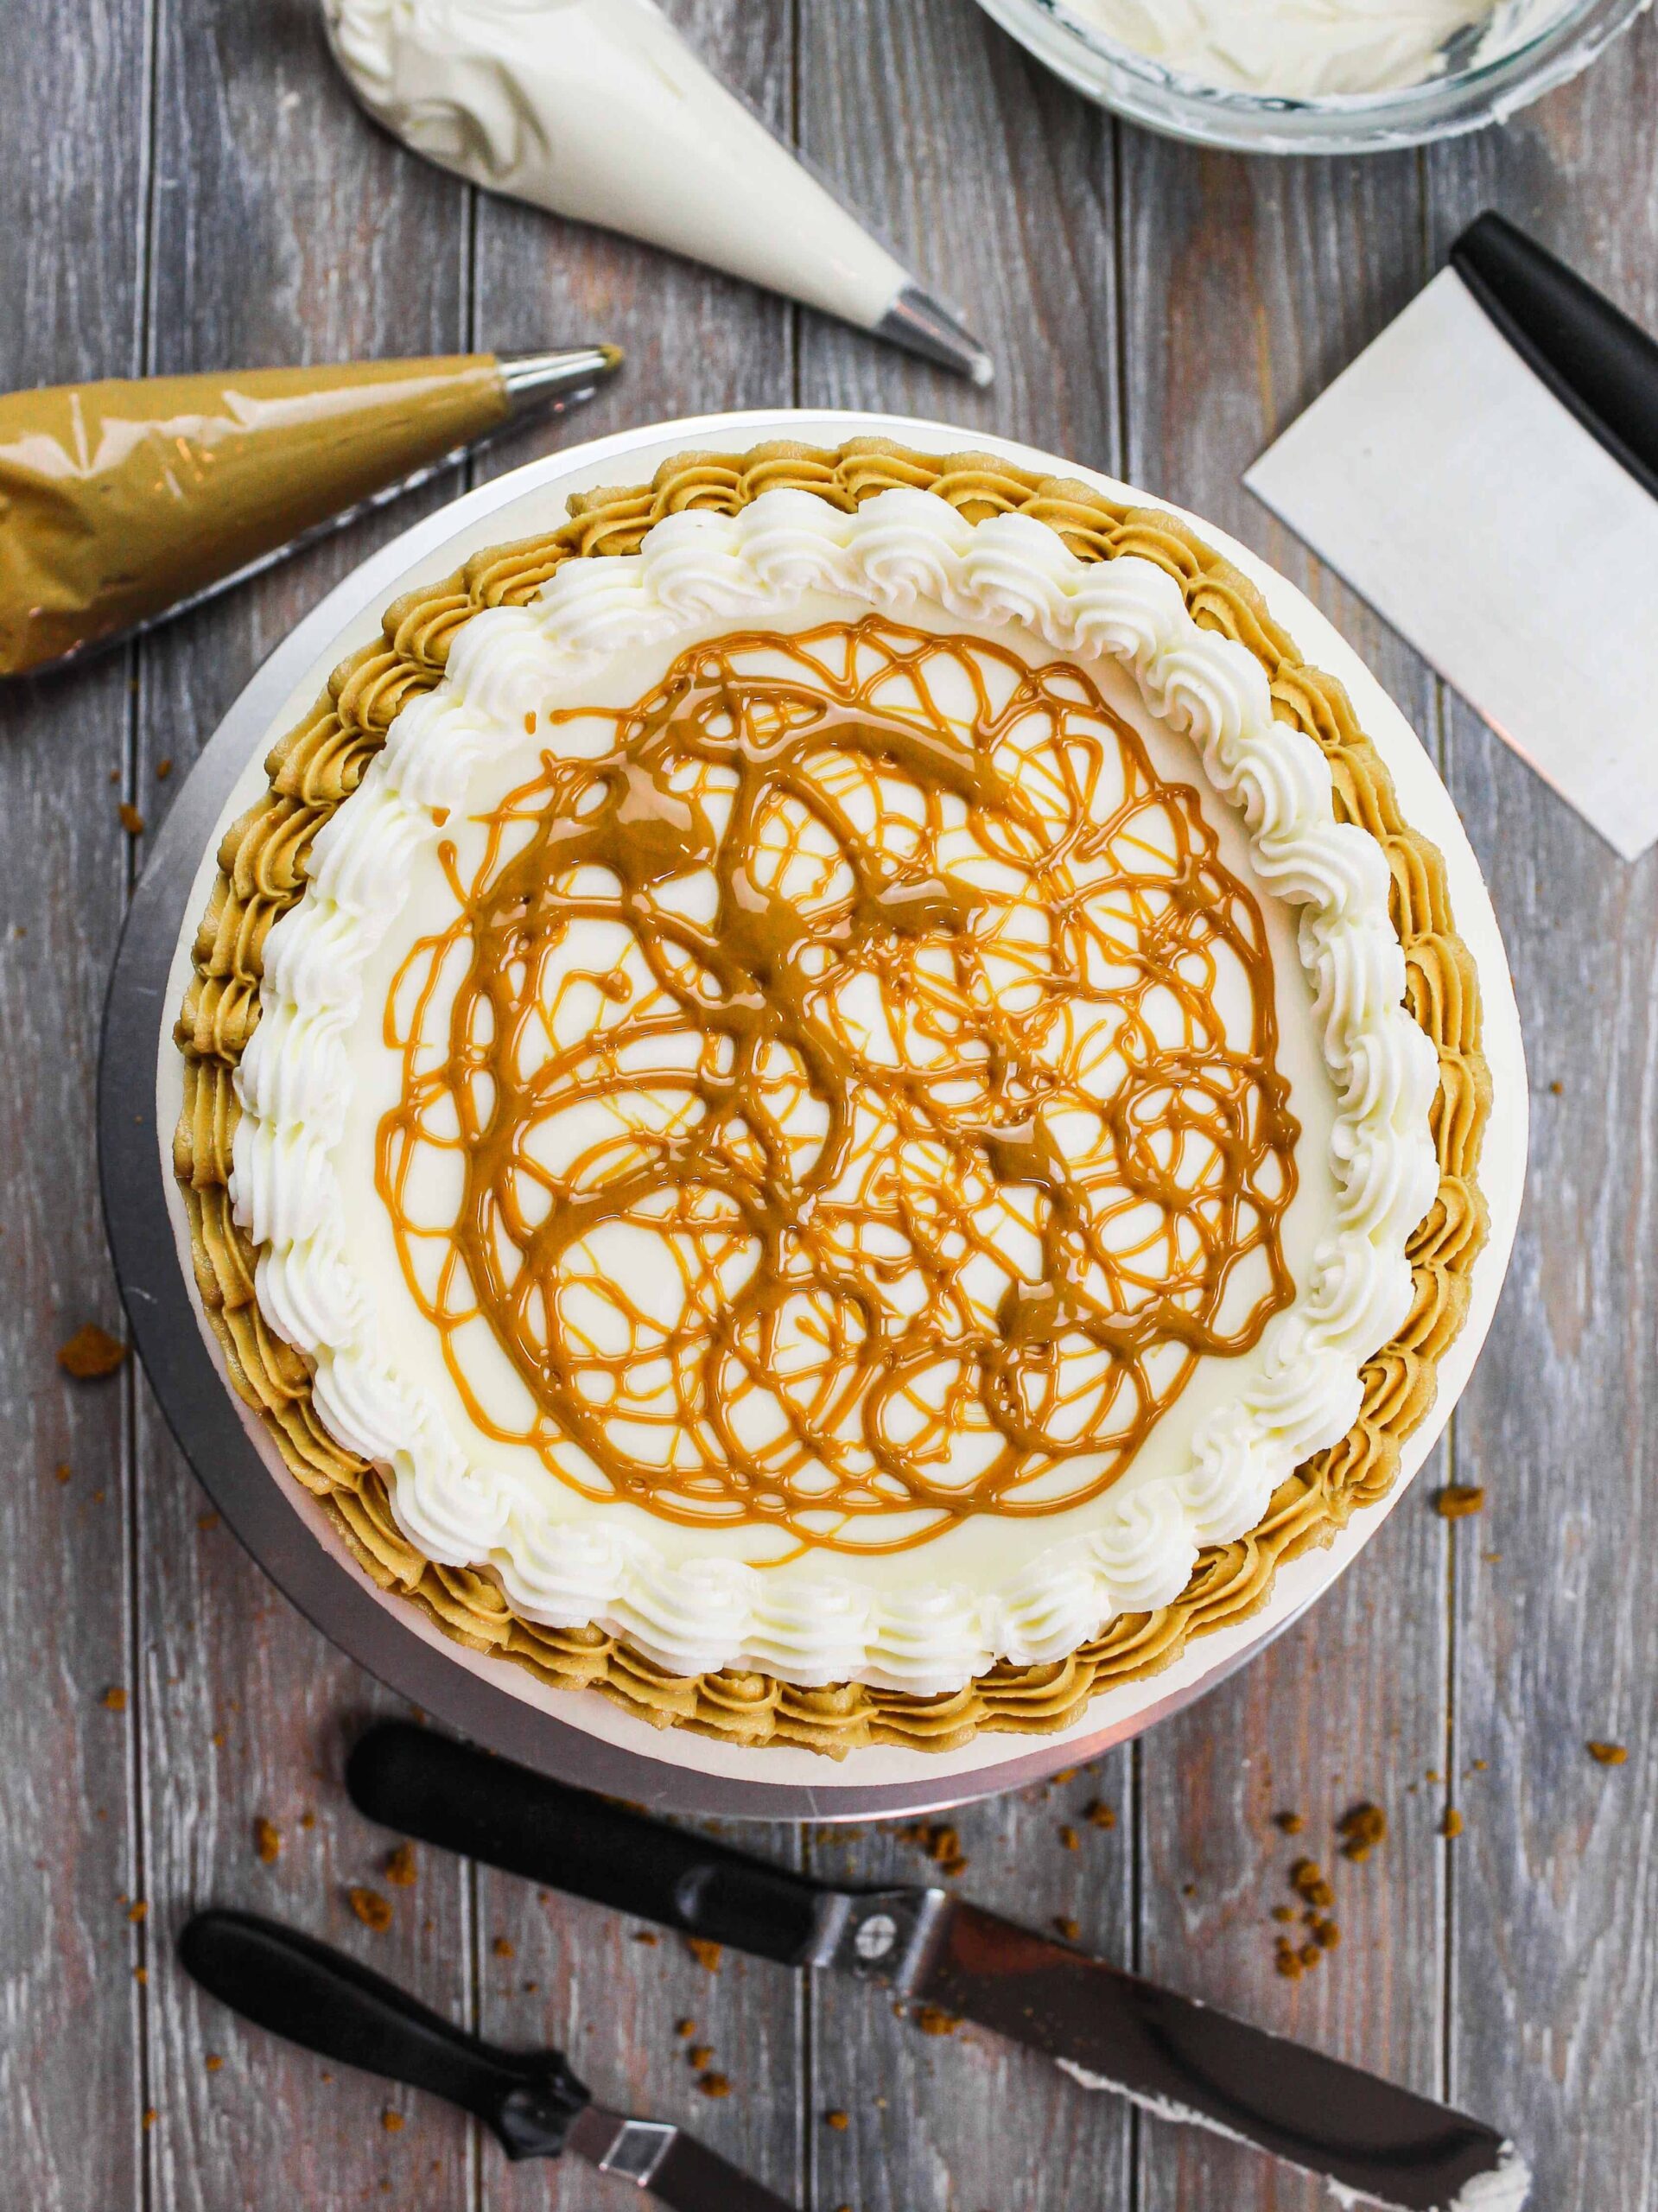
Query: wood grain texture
{"type": "Point", "coordinates": [992, 184]}
{"type": "Point", "coordinates": [605, 1991]}
{"type": "Point", "coordinates": [1555, 1955]}
{"type": "Point", "coordinates": [287, 229]}
{"type": "Point", "coordinates": [1247, 285]}
{"type": "Point", "coordinates": [73, 125]}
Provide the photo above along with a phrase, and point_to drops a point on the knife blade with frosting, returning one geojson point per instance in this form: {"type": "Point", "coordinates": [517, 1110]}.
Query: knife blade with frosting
{"type": "Point", "coordinates": [530, 2100]}
{"type": "Point", "coordinates": [1107, 2029]}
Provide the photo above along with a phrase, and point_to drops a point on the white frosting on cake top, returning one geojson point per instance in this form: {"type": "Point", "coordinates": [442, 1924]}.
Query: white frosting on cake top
{"type": "Point", "coordinates": [313, 1080]}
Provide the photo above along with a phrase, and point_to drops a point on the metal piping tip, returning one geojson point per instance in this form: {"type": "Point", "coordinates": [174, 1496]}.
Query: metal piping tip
{"type": "Point", "coordinates": [556, 380]}
{"type": "Point", "coordinates": [924, 325]}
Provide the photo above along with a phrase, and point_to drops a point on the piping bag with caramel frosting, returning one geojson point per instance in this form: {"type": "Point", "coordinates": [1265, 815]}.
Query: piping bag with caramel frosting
{"type": "Point", "coordinates": [598, 110]}
{"type": "Point", "coordinates": [122, 502]}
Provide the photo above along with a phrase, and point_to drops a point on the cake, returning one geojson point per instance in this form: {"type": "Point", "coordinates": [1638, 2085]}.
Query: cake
{"type": "Point", "coordinates": [833, 1099]}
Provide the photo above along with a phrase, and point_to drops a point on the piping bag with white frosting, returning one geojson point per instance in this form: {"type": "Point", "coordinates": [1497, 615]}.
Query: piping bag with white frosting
{"type": "Point", "coordinates": [598, 111]}
{"type": "Point", "coordinates": [123, 502]}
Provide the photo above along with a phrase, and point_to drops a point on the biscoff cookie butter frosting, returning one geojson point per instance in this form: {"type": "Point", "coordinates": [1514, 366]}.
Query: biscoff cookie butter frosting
{"type": "Point", "coordinates": [818, 1118]}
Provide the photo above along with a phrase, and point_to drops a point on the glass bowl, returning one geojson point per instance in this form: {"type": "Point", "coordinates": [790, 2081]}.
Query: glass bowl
{"type": "Point", "coordinates": [1545, 52]}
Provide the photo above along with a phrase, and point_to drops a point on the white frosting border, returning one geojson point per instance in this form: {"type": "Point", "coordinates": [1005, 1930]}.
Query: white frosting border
{"type": "Point", "coordinates": [811, 1625]}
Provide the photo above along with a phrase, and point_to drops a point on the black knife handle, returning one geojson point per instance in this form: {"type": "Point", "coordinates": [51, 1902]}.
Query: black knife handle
{"type": "Point", "coordinates": [318, 1996]}
{"type": "Point", "coordinates": [428, 1786]}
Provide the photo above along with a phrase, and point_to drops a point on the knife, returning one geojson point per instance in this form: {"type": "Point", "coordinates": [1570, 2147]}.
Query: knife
{"type": "Point", "coordinates": [321, 1998]}
{"type": "Point", "coordinates": [1107, 2029]}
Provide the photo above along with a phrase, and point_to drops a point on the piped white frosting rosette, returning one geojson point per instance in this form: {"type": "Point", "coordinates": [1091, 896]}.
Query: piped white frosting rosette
{"type": "Point", "coordinates": [808, 1623]}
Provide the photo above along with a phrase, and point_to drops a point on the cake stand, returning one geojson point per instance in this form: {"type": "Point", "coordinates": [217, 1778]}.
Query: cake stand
{"type": "Point", "coordinates": [580, 1735]}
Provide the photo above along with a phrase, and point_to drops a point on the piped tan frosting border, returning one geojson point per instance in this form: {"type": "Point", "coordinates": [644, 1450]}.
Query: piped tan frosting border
{"type": "Point", "coordinates": [261, 864]}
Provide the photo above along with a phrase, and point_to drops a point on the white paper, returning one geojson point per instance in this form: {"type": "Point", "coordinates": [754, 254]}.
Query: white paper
{"type": "Point", "coordinates": [1445, 481]}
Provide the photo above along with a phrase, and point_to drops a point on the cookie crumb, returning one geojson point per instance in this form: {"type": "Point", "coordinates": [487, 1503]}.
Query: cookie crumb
{"type": "Point", "coordinates": [163, 767]}
{"type": "Point", "coordinates": [1608, 1754]}
{"type": "Point", "coordinates": [706, 1953]}
{"type": "Point", "coordinates": [1456, 1500]}
{"type": "Point", "coordinates": [1361, 1828]}
{"type": "Point", "coordinates": [207, 1523]}
{"type": "Point", "coordinates": [646, 1936]}
{"type": "Point", "coordinates": [370, 1908]}
{"type": "Point", "coordinates": [686, 2027]}
{"type": "Point", "coordinates": [131, 821]}
{"type": "Point", "coordinates": [1098, 1814]}
{"type": "Point", "coordinates": [934, 2020]}
{"type": "Point", "coordinates": [1308, 1880]}
{"type": "Point", "coordinates": [502, 1947]}
{"type": "Point", "coordinates": [1451, 1823]}
{"type": "Point", "coordinates": [400, 1869]}
{"type": "Point", "coordinates": [1284, 1912]}
{"type": "Point", "coordinates": [267, 1840]}
{"type": "Point", "coordinates": [91, 1353]}
{"type": "Point", "coordinates": [150, 2116]}
{"type": "Point", "coordinates": [114, 1699]}
{"type": "Point", "coordinates": [1290, 1823]}
{"type": "Point", "coordinates": [714, 2085]}
{"type": "Point", "coordinates": [940, 1841]}
{"type": "Point", "coordinates": [392, 2121]}
{"type": "Point", "coordinates": [137, 1910]}
{"type": "Point", "coordinates": [1065, 1926]}
{"type": "Point", "coordinates": [63, 1471]}
{"type": "Point", "coordinates": [840, 2121]}
{"type": "Point", "coordinates": [213, 2062]}
{"type": "Point", "coordinates": [1070, 1838]}
{"type": "Point", "coordinates": [700, 2058]}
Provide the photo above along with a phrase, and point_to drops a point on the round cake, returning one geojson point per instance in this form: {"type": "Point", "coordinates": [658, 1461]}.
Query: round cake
{"type": "Point", "coordinates": [833, 1099]}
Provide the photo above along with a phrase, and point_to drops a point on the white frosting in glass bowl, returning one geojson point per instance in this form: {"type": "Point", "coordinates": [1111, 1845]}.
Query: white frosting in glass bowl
{"type": "Point", "coordinates": [930, 1619]}
{"type": "Point", "coordinates": [1312, 49]}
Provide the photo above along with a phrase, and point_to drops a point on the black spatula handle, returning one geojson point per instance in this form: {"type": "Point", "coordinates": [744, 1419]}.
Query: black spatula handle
{"type": "Point", "coordinates": [428, 1786]}
{"type": "Point", "coordinates": [318, 1996]}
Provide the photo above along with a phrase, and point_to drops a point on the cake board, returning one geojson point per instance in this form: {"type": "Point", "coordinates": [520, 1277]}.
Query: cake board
{"type": "Point", "coordinates": [580, 1736]}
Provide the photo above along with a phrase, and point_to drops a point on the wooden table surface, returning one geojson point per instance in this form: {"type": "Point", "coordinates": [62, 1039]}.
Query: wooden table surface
{"type": "Point", "coordinates": [186, 185]}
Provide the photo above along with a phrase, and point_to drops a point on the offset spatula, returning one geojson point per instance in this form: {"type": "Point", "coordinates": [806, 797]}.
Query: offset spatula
{"type": "Point", "coordinates": [1107, 2029]}
{"type": "Point", "coordinates": [530, 2100]}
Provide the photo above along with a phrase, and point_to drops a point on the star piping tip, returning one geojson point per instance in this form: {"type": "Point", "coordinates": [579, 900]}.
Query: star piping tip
{"type": "Point", "coordinates": [924, 325]}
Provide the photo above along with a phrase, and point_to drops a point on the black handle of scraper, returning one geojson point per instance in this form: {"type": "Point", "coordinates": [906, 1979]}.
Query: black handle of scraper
{"type": "Point", "coordinates": [1593, 358]}
{"type": "Point", "coordinates": [428, 1786]}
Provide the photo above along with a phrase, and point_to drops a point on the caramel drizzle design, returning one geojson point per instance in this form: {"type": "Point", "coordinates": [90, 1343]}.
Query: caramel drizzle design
{"type": "Point", "coordinates": [837, 1123]}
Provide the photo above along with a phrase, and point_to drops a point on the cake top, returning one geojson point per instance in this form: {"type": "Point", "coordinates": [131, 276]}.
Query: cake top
{"type": "Point", "coordinates": [837, 1100]}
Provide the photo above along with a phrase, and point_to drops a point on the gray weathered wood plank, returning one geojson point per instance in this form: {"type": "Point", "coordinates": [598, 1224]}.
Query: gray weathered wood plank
{"type": "Point", "coordinates": [73, 125]}
{"type": "Point", "coordinates": [1555, 1904]}
{"type": "Point", "coordinates": [288, 230]}
{"type": "Point", "coordinates": [1247, 285]}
